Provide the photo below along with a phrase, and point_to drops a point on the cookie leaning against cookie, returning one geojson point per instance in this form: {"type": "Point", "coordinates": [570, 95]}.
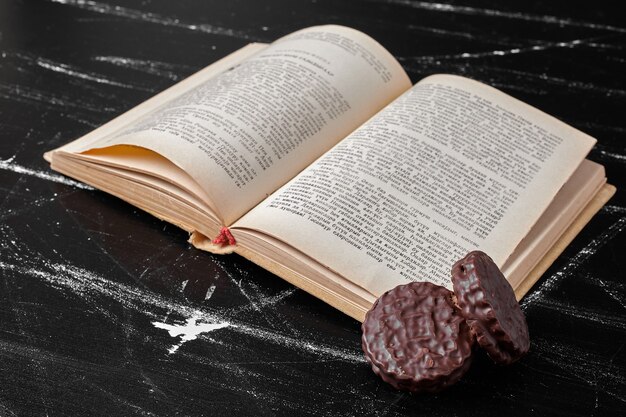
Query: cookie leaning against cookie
{"type": "Point", "coordinates": [488, 303]}
{"type": "Point", "coordinates": [415, 339]}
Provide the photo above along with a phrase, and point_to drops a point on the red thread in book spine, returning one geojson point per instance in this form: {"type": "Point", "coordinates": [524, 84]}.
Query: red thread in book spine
{"type": "Point", "coordinates": [225, 238]}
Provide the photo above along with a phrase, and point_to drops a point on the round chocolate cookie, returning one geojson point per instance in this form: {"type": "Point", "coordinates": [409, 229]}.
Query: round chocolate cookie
{"type": "Point", "coordinates": [415, 338]}
{"type": "Point", "coordinates": [488, 303]}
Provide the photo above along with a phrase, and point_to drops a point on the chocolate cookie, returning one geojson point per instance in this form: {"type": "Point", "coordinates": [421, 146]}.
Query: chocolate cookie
{"type": "Point", "coordinates": [415, 338]}
{"type": "Point", "coordinates": [488, 303]}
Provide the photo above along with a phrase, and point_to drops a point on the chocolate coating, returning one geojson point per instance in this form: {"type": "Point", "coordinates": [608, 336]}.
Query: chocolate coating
{"type": "Point", "coordinates": [415, 339]}
{"type": "Point", "coordinates": [488, 303]}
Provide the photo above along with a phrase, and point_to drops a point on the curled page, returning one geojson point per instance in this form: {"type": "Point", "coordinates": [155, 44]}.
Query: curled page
{"type": "Point", "coordinates": [247, 131]}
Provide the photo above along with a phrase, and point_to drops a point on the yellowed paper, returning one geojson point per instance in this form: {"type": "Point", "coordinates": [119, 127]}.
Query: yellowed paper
{"type": "Point", "coordinates": [247, 131]}
{"type": "Point", "coordinates": [451, 166]}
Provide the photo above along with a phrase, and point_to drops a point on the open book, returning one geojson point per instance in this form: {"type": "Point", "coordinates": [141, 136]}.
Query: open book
{"type": "Point", "coordinates": [330, 170]}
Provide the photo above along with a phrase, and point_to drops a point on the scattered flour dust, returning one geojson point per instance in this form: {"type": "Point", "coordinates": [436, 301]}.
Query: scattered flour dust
{"type": "Point", "coordinates": [189, 331]}
{"type": "Point", "coordinates": [574, 263]}
{"type": "Point", "coordinates": [91, 287]}
{"type": "Point", "coordinates": [10, 165]}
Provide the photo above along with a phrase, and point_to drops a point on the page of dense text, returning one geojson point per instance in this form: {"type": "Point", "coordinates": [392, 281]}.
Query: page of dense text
{"type": "Point", "coordinates": [247, 131]}
{"type": "Point", "coordinates": [451, 166]}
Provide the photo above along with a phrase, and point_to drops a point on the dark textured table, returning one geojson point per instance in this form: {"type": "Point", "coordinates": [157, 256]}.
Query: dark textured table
{"type": "Point", "coordinates": [92, 290]}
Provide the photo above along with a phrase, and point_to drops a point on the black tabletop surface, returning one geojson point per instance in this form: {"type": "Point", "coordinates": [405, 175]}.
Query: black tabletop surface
{"type": "Point", "coordinates": [93, 291]}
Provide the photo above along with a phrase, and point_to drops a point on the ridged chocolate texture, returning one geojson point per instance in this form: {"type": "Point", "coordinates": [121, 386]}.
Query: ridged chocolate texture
{"type": "Point", "coordinates": [415, 338]}
{"type": "Point", "coordinates": [488, 303]}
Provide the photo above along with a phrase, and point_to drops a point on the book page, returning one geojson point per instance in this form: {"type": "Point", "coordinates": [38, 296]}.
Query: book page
{"type": "Point", "coordinates": [451, 166]}
{"type": "Point", "coordinates": [112, 127]}
{"type": "Point", "coordinates": [247, 131]}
